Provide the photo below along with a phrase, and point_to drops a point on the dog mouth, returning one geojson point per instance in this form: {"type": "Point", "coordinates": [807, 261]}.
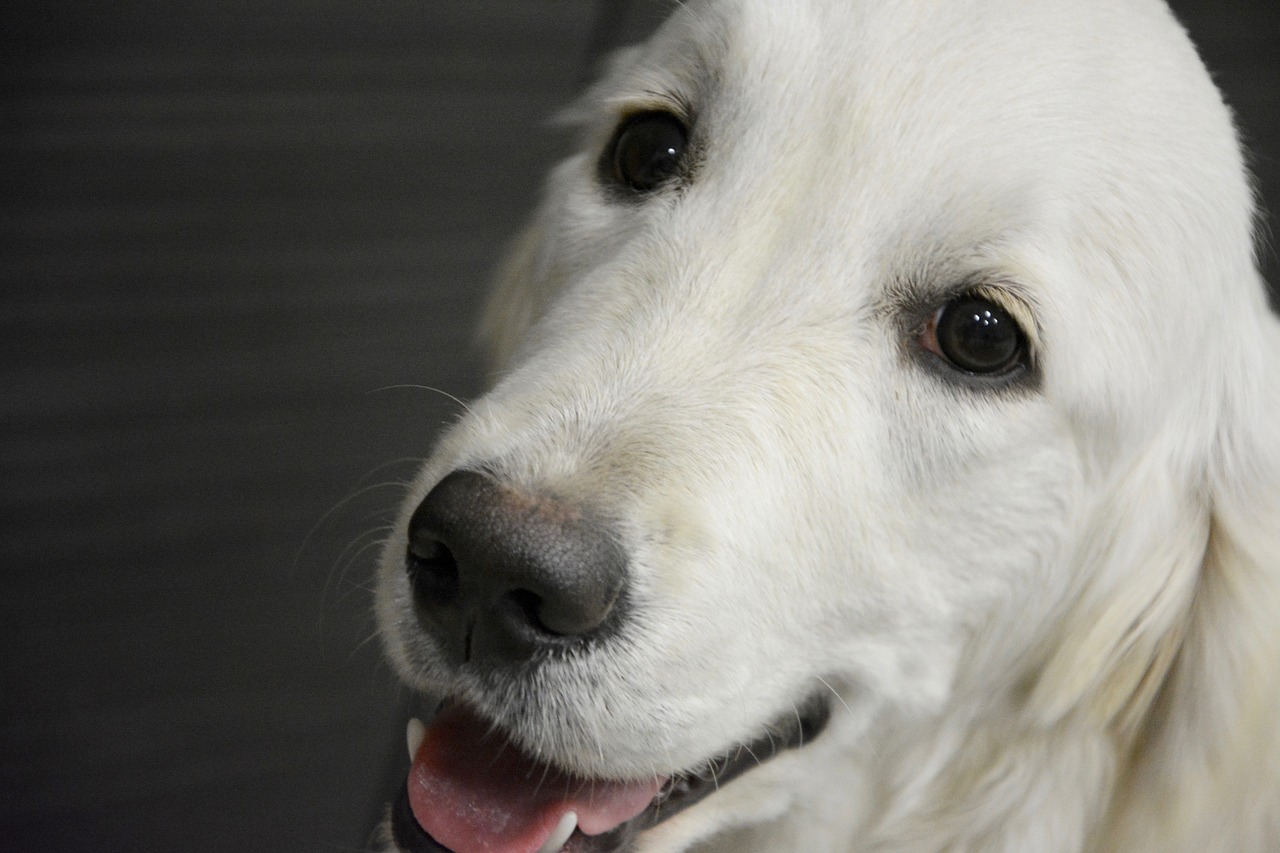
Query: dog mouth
{"type": "Point", "coordinates": [470, 790]}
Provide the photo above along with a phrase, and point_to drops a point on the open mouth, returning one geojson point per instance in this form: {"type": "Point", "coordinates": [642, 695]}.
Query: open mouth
{"type": "Point", "coordinates": [471, 791]}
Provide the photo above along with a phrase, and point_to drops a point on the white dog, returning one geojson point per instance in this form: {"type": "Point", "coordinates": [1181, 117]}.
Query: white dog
{"type": "Point", "coordinates": [886, 457]}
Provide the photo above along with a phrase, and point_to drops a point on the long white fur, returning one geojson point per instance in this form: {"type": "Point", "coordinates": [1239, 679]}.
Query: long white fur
{"type": "Point", "coordinates": [1049, 620]}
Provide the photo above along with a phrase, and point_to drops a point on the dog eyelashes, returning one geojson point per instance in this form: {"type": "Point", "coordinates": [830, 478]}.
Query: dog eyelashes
{"type": "Point", "coordinates": [977, 336]}
{"type": "Point", "coordinates": [647, 151]}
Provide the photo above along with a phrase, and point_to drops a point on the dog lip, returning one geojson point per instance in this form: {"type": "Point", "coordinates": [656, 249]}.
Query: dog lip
{"type": "Point", "coordinates": [791, 732]}
{"type": "Point", "coordinates": [408, 835]}
{"type": "Point", "coordinates": [681, 791]}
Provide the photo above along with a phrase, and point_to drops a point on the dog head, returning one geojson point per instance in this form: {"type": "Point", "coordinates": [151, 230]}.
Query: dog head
{"type": "Point", "coordinates": [867, 361]}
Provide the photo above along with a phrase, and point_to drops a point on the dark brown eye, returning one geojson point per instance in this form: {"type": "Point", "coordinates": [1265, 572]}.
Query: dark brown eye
{"type": "Point", "coordinates": [648, 150]}
{"type": "Point", "coordinates": [976, 335]}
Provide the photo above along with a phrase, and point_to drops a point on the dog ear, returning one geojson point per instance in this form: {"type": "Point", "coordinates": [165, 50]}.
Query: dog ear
{"type": "Point", "coordinates": [1177, 651]}
{"type": "Point", "coordinates": [1208, 755]}
{"type": "Point", "coordinates": [1143, 546]}
{"type": "Point", "coordinates": [521, 289]}
{"type": "Point", "coordinates": [527, 278]}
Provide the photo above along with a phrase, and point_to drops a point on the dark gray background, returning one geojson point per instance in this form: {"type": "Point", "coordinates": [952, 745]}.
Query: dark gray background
{"type": "Point", "coordinates": [232, 231]}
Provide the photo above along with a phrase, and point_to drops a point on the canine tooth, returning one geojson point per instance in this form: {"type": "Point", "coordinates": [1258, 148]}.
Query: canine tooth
{"type": "Point", "coordinates": [561, 833]}
{"type": "Point", "coordinates": [414, 735]}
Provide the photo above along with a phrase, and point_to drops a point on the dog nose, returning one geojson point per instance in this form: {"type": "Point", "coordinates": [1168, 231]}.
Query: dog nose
{"type": "Point", "coordinates": [498, 574]}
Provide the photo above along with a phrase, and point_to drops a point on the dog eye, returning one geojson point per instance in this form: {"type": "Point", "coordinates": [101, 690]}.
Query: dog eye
{"type": "Point", "coordinates": [648, 150]}
{"type": "Point", "coordinates": [975, 335]}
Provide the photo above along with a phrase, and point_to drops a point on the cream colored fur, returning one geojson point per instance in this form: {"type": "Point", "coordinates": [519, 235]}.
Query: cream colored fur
{"type": "Point", "coordinates": [1048, 619]}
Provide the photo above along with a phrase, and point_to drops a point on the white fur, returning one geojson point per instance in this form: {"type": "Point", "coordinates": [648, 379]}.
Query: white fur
{"type": "Point", "coordinates": [1050, 616]}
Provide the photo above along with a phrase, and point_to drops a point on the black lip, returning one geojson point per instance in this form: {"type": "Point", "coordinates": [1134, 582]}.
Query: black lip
{"type": "Point", "coordinates": [407, 833]}
{"type": "Point", "coordinates": [683, 791]}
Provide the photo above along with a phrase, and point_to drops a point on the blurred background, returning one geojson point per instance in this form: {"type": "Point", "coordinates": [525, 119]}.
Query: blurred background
{"type": "Point", "coordinates": [241, 243]}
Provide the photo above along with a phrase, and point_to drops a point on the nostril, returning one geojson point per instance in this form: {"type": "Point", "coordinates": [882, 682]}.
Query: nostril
{"type": "Point", "coordinates": [550, 616]}
{"type": "Point", "coordinates": [433, 572]}
{"type": "Point", "coordinates": [528, 604]}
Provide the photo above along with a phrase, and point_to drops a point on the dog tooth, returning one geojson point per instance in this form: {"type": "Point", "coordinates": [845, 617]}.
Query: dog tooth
{"type": "Point", "coordinates": [560, 834]}
{"type": "Point", "coordinates": [415, 732]}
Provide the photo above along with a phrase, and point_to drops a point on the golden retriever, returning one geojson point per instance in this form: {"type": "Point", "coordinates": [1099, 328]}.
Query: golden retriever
{"type": "Point", "coordinates": [885, 457]}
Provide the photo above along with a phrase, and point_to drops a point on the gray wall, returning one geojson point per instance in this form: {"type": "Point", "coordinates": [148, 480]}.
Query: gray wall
{"type": "Point", "coordinates": [234, 234]}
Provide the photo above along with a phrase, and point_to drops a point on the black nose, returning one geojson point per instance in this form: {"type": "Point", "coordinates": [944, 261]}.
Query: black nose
{"type": "Point", "coordinates": [498, 574]}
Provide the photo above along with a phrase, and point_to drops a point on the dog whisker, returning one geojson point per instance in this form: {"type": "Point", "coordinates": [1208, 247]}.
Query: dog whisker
{"type": "Point", "coordinates": [835, 693]}
{"type": "Point", "coordinates": [374, 537]}
{"type": "Point", "coordinates": [337, 507]}
{"type": "Point", "coordinates": [416, 387]}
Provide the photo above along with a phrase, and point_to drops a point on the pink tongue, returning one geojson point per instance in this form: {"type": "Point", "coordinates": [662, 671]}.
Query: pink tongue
{"type": "Point", "coordinates": [473, 792]}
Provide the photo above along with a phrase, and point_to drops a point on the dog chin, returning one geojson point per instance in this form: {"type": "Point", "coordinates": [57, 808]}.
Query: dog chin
{"type": "Point", "coordinates": [470, 789]}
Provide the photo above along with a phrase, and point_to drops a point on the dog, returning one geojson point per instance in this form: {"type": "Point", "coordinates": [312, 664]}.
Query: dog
{"type": "Point", "coordinates": [884, 456]}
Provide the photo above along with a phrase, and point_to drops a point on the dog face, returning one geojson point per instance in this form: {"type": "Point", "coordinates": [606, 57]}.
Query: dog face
{"type": "Point", "coordinates": [850, 343]}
